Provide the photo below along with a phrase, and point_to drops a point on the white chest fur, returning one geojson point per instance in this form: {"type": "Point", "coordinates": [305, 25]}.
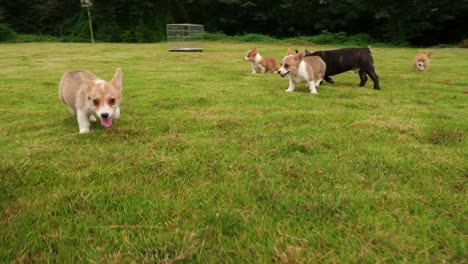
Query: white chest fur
{"type": "Point", "coordinates": [301, 74]}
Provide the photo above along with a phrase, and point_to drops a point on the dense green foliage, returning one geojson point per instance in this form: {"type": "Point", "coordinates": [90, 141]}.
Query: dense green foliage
{"type": "Point", "coordinates": [113, 21]}
{"type": "Point", "coordinates": [6, 33]}
{"type": "Point", "coordinates": [415, 22]}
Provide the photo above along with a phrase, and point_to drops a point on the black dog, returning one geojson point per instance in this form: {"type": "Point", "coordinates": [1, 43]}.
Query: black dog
{"type": "Point", "coordinates": [341, 60]}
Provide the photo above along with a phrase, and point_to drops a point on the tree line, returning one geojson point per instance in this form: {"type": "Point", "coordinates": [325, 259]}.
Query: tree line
{"type": "Point", "coordinates": [417, 22]}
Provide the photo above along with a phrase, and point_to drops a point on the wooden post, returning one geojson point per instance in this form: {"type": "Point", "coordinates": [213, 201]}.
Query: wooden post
{"type": "Point", "coordinates": [90, 25]}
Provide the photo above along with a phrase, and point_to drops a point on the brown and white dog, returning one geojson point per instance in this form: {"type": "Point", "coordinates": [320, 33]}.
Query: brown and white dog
{"type": "Point", "coordinates": [421, 61]}
{"type": "Point", "coordinates": [91, 98]}
{"type": "Point", "coordinates": [260, 64]}
{"type": "Point", "coordinates": [310, 69]}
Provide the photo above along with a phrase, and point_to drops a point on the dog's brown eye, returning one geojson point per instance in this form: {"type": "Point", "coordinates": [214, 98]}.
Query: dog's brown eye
{"type": "Point", "coordinates": [286, 66]}
{"type": "Point", "coordinates": [112, 101]}
{"type": "Point", "coordinates": [96, 102]}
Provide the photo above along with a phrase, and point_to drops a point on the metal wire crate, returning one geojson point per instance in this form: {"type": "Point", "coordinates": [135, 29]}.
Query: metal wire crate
{"type": "Point", "coordinates": [185, 37]}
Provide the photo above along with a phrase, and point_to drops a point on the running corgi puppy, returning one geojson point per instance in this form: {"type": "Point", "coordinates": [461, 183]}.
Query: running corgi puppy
{"type": "Point", "coordinates": [91, 98]}
{"type": "Point", "coordinates": [260, 64]}
{"type": "Point", "coordinates": [421, 61]}
{"type": "Point", "coordinates": [310, 69]}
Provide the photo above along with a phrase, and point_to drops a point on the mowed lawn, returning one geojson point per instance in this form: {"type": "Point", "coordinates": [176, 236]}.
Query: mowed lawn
{"type": "Point", "coordinates": [212, 164]}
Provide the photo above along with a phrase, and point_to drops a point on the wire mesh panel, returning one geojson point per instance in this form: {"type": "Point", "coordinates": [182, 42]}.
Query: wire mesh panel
{"type": "Point", "coordinates": [86, 3]}
{"type": "Point", "coordinates": [184, 37]}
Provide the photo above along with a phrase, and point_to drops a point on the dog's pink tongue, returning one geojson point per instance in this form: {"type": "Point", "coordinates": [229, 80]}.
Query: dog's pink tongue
{"type": "Point", "coordinates": [106, 122]}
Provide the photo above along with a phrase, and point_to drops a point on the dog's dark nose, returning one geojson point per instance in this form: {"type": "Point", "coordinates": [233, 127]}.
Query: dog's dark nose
{"type": "Point", "coordinates": [104, 115]}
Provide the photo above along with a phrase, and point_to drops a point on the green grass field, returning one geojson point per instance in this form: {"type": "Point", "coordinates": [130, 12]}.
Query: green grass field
{"type": "Point", "coordinates": [210, 163]}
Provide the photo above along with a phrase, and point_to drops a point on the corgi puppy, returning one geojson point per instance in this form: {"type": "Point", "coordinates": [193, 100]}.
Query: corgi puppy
{"type": "Point", "coordinates": [260, 64]}
{"type": "Point", "coordinates": [91, 98]}
{"type": "Point", "coordinates": [310, 69]}
{"type": "Point", "coordinates": [421, 61]}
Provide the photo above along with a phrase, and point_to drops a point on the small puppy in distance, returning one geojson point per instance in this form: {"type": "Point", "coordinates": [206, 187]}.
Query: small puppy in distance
{"type": "Point", "coordinates": [310, 69]}
{"type": "Point", "coordinates": [421, 61]}
{"type": "Point", "coordinates": [260, 64]}
{"type": "Point", "coordinates": [91, 98]}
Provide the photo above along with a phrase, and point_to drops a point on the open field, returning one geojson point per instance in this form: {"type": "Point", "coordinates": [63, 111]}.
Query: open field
{"type": "Point", "coordinates": [210, 163]}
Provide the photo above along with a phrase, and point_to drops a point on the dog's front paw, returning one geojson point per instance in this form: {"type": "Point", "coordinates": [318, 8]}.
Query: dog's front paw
{"type": "Point", "coordinates": [92, 118]}
{"type": "Point", "coordinates": [84, 130]}
{"type": "Point", "coordinates": [289, 90]}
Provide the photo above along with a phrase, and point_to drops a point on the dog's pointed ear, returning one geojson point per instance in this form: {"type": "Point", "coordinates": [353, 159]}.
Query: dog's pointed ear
{"type": "Point", "coordinates": [117, 79]}
{"type": "Point", "coordinates": [289, 52]}
{"type": "Point", "coordinates": [300, 56]}
{"type": "Point", "coordinates": [89, 83]}
{"type": "Point", "coordinates": [429, 54]}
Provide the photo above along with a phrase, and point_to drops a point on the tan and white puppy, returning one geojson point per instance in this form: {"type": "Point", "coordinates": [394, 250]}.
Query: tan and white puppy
{"type": "Point", "coordinates": [421, 61]}
{"type": "Point", "coordinates": [260, 64]}
{"type": "Point", "coordinates": [91, 98]}
{"type": "Point", "coordinates": [310, 69]}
